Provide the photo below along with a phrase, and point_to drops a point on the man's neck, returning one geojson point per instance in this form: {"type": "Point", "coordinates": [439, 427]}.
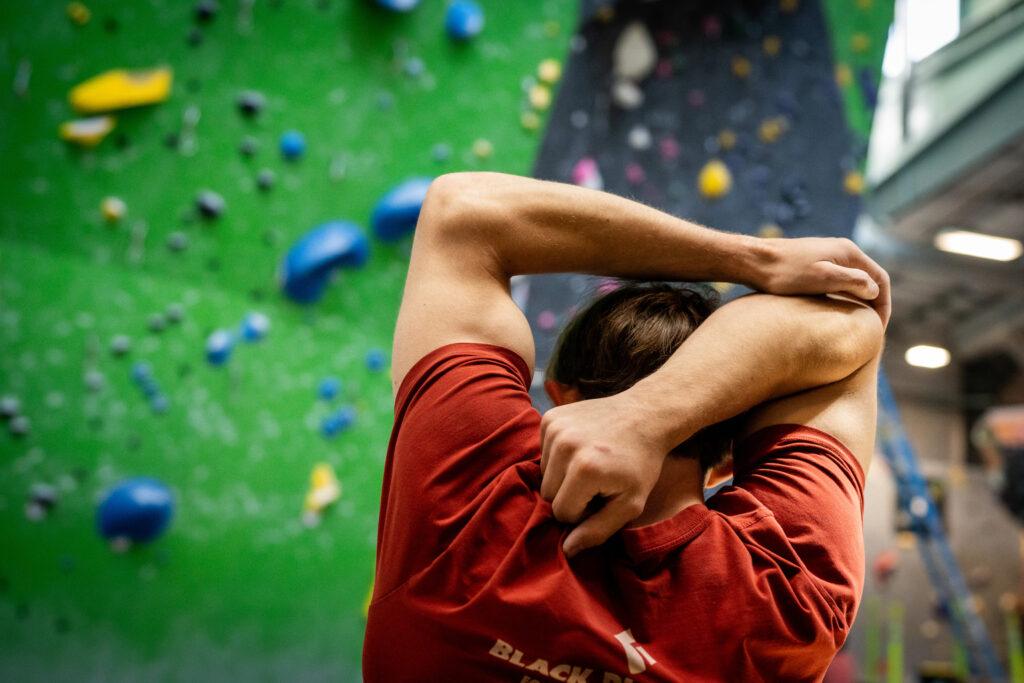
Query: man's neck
{"type": "Point", "coordinates": [680, 485]}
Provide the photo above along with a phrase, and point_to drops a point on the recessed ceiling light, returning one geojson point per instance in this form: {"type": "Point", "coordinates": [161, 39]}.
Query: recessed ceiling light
{"type": "Point", "coordinates": [979, 245]}
{"type": "Point", "coordinates": [927, 356]}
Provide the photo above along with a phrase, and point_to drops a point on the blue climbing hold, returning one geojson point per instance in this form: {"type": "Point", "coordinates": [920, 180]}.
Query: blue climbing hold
{"type": "Point", "coordinates": [293, 145]}
{"type": "Point", "coordinates": [396, 213]}
{"type": "Point", "coordinates": [218, 347]}
{"type": "Point", "coordinates": [137, 509]}
{"type": "Point", "coordinates": [399, 5]}
{"type": "Point", "coordinates": [338, 421]}
{"type": "Point", "coordinates": [255, 326]}
{"type": "Point", "coordinates": [376, 360]}
{"type": "Point", "coordinates": [307, 266]}
{"type": "Point", "coordinates": [464, 19]}
{"type": "Point", "coordinates": [329, 388]}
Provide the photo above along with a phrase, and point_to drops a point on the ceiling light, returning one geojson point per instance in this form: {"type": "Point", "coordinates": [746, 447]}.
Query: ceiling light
{"type": "Point", "coordinates": [926, 356]}
{"type": "Point", "coordinates": [977, 244]}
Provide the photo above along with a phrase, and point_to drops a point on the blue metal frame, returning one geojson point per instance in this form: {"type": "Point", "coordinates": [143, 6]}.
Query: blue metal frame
{"type": "Point", "coordinates": [914, 497]}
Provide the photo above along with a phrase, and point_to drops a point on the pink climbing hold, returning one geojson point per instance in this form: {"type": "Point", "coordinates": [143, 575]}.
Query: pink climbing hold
{"type": "Point", "coordinates": [669, 148]}
{"type": "Point", "coordinates": [546, 320]}
{"type": "Point", "coordinates": [635, 173]}
{"type": "Point", "coordinates": [586, 174]}
{"type": "Point", "coordinates": [712, 27]}
{"type": "Point", "coordinates": [664, 68]}
{"type": "Point", "coordinates": [696, 98]}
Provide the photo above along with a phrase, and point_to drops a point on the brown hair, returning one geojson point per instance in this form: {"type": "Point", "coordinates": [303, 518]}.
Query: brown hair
{"type": "Point", "coordinates": [627, 334]}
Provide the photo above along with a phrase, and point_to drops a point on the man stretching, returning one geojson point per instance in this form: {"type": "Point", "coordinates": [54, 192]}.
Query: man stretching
{"type": "Point", "coordinates": [501, 550]}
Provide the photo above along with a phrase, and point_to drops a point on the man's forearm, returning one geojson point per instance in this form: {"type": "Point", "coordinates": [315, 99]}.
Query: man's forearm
{"type": "Point", "coordinates": [534, 226]}
{"type": "Point", "coordinates": [750, 351]}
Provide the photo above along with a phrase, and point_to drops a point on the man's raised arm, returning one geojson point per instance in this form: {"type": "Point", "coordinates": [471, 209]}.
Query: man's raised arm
{"type": "Point", "coordinates": [478, 229]}
{"type": "Point", "coordinates": [748, 352]}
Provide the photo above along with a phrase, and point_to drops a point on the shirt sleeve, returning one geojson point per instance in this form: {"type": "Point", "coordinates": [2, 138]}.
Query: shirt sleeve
{"type": "Point", "coordinates": [814, 487]}
{"type": "Point", "coordinates": [463, 416]}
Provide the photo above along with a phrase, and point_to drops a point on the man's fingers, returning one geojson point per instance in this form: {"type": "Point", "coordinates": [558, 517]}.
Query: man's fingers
{"type": "Point", "coordinates": [599, 527]}
{"type": "Point", "coordinates": [573, 497]}
{"type": "Point", "coordinates": [850, 280]}
{"type": "Point", "coordinates": [554, 473]}
{"type": "Point", "coordinates": [882, 302]}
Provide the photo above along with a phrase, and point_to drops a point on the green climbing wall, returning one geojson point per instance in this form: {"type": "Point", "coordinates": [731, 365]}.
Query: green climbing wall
{"type": "Point", "coordinates": [239, 586]}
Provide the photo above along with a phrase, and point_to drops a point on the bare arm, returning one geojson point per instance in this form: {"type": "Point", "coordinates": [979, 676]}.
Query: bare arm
{"type": "Point", "coordinates": [750, 351]}
{"type": "Point", "coordinates": [478, 229]}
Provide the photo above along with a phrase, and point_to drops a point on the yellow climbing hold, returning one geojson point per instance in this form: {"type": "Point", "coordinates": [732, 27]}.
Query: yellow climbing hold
{"type": "Point", "coordinates": [530, 120]}
{"type": "Point", "coordinates": [366, 602]}
{"type": "Point", "coordinates": [772, 129]}
{"type": "Point", "coordinates": [721, 287]}
{"type": "Point", "coordinates": [113, 209]}
{"type": "Point", "coordinates": [727, 139]}
{"type": "Point", "coordinates": [87, 132]}
{"type": "Point", "coordinates": [714, 180]}
{"type": "Point", "coordinates": [844, 75]}
{"type": "Point", "coordinates": [771, 231]}
{"type": "Point", "coordinates": [853, 182]}
{"type": "Point", "coordinates": [482, 148]}
{"type": "Point", "coordinates": [789, 5]}
{"type": "Point", "coordinates": [78, 13]}
{"type": "Point", "coordinates": [605, 13]}
{"type": "Point", "coordinates": [740, 66]}
{"type": "Point", "coordinates": [771, 45]}
{"type": "Point", "coordinates": [552, 28]}
{"type": "Point", "coordinates": [860, 42]}
{"type": "Point", "coordinates": [324, 489]}
{"type": "Point", "coordinates": [540, 97]}
{"type": "Point", "coordinates": [549, 71]}
{"type": "Point", "coordinates": [864, 4]}
{"type": "Point", "coordinates": [121, 89]}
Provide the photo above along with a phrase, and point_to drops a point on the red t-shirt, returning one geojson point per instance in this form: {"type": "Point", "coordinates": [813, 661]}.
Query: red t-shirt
{"type": "Point", "coordinates": [761, 583]}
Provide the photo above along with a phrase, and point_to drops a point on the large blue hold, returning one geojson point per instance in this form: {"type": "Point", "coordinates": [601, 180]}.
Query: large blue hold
{"type": "Point", "coordinates": [308, 265]}
{"type": "Point", "coordinates": [464, 19]}
{"type": "Point", "coordinates": [138, 509]}
{"type": "Point", "coordinates": [396, 213]}
{"type": "Point", "coordinates": [398, 5]}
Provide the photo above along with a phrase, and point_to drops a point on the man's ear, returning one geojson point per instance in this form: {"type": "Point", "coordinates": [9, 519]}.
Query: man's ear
{"type": "Point", "coordinates": [559, 393]}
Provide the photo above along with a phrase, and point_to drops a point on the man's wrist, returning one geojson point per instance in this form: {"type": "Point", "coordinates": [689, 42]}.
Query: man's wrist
{"type": "Point", "coordinates": [751, 261]}
{"type": "Point", "coordinates": [666, 422]}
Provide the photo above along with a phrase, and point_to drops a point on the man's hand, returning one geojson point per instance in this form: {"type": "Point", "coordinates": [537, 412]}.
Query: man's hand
{"type": "Point", "coordinates": [598, 450]}
{"type": "Point", "coordinates": [823, 265]}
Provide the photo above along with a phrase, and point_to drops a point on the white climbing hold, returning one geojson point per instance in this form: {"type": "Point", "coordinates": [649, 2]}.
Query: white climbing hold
{"type": "Point", "coordinates": [635, 54]}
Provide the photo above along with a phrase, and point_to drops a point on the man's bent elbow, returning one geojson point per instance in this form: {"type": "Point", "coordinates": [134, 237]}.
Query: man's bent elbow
{"type": "Point", "coordinates": [448, 207]}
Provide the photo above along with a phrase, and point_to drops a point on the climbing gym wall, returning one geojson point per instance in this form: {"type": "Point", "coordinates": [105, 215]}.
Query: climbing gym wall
{"type": "Point", "coordinates": [197, 291]}
{"type": "Point", "coordinates": [746, 116]}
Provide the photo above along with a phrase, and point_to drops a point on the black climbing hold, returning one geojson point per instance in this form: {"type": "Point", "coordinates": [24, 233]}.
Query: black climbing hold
{"type": "Point", "coordinates": [249, 146]}
{"type": "Point", "coordinates": [250, 103]}
{"type": "Point", "coordinates": [210, 204]}
{"type": "Point", "coordinates": [265, 179]}
{"type": "Point", "coordinates": [206, 10]}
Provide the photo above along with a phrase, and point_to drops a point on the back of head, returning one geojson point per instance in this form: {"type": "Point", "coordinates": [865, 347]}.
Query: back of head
{"type": "Point", "coordinates": [627, 334]}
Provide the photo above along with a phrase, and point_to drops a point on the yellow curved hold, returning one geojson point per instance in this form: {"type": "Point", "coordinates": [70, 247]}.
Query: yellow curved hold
{"type": "Point", "coordinates": [853, 182]}
{"type": "Point", "coordinates": [540, 97]}
{"type": "Point", "coordinates": [860, 42]}
{"type": "Point", "coordinates": [714, 180]}
{"type": "Point", "coordinates": [770, 231]}
{"type": "Point", "coordinates": [844, 75]}
{"type": "Point", "coordinates": [772, 129]}
{"type": "Point", "coordinates": [726, 139]}
{"type": "Point", "coordinates": [87, 132]}
{"type": "Point", "coordinates": [789, 6]}
{"type": "Point", "coordinates": [78, 13]}
{"type": "Point", "coordinates": [741, 67]}
{"type": "Point", "coordinates": [121, 89]}
{"type": "Point", "coordinates": [771, 45]}
{"type": "Point", "coordinates": [530, 120]}
{"type": "Point", "coordinates": [549, 71]}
